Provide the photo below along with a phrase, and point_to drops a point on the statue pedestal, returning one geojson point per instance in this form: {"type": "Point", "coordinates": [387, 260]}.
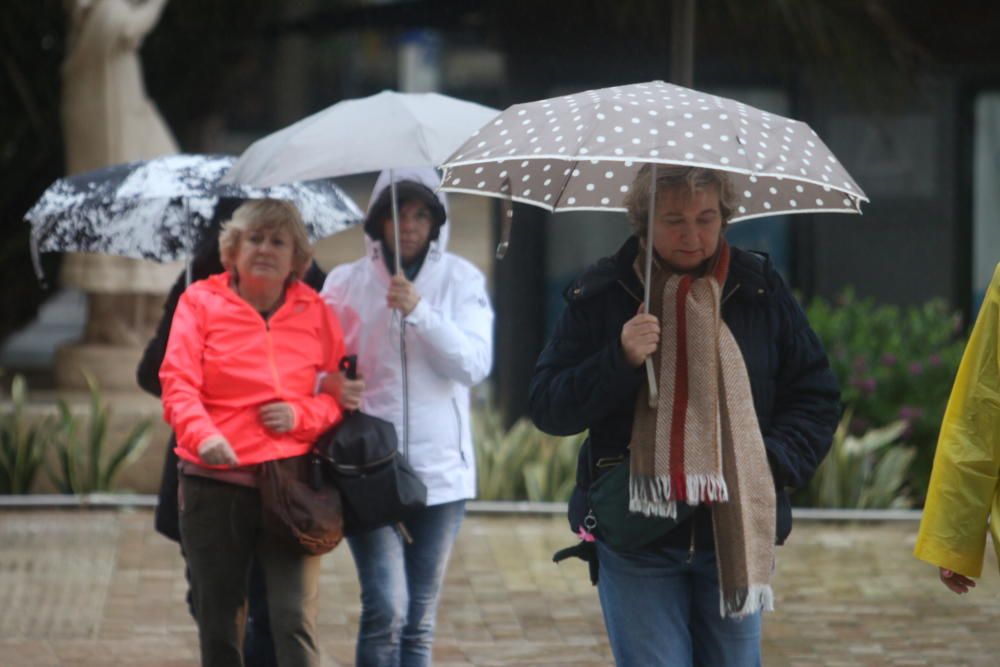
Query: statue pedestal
{"type": "Point", "coordinates": [113, 366]}
{"type": "Point", "coordinates": [124, 305]}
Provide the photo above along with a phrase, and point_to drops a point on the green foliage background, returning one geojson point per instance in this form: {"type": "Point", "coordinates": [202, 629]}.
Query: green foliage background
{"type": "Point", "coordinates": [893, 363]}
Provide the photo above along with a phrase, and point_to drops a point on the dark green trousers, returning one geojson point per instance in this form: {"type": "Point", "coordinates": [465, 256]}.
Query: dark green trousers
{"type": "Point", "coordinates": [221, 531]}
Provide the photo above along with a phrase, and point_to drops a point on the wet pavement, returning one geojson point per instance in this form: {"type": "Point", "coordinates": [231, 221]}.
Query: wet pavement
{"type": "Point", "coordinates": [99, 587]}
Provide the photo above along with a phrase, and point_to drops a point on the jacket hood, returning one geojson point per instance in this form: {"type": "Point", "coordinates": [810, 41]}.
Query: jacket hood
{"type": "Point", "coordinates": [429, 178]}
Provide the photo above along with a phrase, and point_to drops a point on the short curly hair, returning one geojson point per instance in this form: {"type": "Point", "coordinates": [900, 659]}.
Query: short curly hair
{"type": "Point", "coordinates": [670, 177]}
{"type": "Point", "coordinates": [266, 214]}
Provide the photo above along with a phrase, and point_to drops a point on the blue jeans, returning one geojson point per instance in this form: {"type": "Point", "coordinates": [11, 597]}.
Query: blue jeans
{"type": "Point", "coordinates": [400, 586]}
{"type": "Point", "coordinates": [661, 609]}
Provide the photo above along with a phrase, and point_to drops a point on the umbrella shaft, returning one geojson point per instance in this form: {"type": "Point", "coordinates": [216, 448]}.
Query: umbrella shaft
{"type": "Point", "coordinates": [395, 222]}
{"type": "Point", "coordinates": [650, 373]}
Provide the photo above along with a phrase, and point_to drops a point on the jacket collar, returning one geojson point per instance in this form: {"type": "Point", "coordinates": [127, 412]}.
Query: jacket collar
{"type": "Point", "coordinates": [749, 270]}
{"type": "Point", "coordinates": [376, 262]}
{"type": "Point", "coordinates": [219, 284]}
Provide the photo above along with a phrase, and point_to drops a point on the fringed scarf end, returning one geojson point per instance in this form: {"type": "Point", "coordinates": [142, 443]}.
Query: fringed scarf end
{"type": "Point", "coordinates": [706, 489]}
{"type": "Point", "coordinates": [650, 496]}
{"type": "Point", "coordinates": [748, 601]}
{"type": "Point", "coordinates": [659, 495]}
{"type": "Point", "coordinates": [678, 484]}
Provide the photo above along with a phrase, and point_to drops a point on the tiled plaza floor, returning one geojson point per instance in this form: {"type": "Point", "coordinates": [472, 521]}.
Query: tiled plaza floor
{"type": "Point", "coordinates": [89, 588]}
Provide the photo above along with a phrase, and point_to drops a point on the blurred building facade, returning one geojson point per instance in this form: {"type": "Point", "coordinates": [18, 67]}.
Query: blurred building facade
{"type": "Point", "coordinates": [906, 94]}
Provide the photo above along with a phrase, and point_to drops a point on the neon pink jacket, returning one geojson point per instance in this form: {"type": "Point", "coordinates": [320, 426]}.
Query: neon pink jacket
{"type": "Point", "coordinates": [223, 362]}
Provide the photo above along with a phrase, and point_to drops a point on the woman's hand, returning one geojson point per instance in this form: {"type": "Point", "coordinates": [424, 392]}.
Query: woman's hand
{"type": "Point", "coordinates": [957, 583]}
{"type": "Point", "coordinates": [216, 451]}
{"type": "Point", "coordinates": [347, 392]}
{"type": "Point", "coordinates": [640, 338]}
{"type": "Point", "coordinates": [402, 295]}
{"type": "Point", "coordinates": [278, 416]}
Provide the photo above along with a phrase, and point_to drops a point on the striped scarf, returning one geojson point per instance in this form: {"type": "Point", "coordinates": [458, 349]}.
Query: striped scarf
{"type": "Point", "coordinates": [702, 442]}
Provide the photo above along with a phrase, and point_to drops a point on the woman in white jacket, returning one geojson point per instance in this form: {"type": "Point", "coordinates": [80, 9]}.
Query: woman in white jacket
{"type": "Point", "coordinates": [423, 339]}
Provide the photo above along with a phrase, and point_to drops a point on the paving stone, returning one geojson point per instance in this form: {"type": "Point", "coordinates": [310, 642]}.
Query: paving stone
{"type": "Point", "coordinates": [89, 588]}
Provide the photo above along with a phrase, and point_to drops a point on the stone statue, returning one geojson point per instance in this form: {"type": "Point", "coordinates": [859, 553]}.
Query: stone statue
{"type": "Point", "coordinates": [107, 119]}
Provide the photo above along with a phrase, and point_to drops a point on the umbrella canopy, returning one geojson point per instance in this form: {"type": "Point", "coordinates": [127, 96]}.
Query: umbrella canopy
{"type": "Point", "coordinates": [158, 209]}
{"type": "Point", "coordinates": [582, 152]}
{"type": "Point", "coordinates": [383, 131]}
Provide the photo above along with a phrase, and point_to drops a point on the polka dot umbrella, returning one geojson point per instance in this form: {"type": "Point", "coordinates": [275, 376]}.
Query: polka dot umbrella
{"type": "Point", "coordinates": [583, 151]}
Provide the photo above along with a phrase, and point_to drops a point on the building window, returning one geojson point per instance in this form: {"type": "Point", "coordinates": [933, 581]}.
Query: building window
{"type": "Point", "coordinates": [985, 194]}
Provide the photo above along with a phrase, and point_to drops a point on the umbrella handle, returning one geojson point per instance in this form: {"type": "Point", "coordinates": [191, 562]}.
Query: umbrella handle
{"type": "Point", "coordinates": [36, 261]}
{"type": "Point", "coordinates": [654, 393]}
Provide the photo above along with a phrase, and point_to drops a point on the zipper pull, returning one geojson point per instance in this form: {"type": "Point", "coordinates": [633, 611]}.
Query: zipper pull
{"type": "Point", "coordinates": [690, 557]}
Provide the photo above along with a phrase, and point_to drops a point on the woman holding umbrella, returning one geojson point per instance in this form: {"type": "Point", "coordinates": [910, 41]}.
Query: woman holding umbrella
{"type": "Point", "coordinates": [423, 336]}
{"type": "Point", "coordinates": [743, 407]}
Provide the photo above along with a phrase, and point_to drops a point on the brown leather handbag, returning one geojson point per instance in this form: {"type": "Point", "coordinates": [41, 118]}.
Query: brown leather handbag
{"type": "Point", "coordinates": [300, 505]}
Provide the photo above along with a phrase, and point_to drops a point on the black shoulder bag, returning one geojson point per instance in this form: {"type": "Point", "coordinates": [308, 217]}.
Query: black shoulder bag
{"type": "Point", "coordinates": [378, 486]}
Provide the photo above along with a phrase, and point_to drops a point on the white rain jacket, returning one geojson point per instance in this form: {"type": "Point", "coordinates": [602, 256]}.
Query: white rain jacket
{"type": "Point", "coordinates": [418, 369]}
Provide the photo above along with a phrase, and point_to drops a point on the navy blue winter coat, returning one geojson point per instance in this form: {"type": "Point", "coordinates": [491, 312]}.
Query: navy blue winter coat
{"type": "Point", "coordinates": [582, 381]}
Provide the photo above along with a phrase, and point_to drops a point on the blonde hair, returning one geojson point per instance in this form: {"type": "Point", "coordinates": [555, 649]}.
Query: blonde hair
{"type": "Point", "coordinates": [674, 177]}
{"type": "Point", "coordinates": [266, 214]}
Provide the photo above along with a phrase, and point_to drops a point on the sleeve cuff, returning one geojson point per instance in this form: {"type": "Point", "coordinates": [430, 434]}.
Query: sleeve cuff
{"type": "Point", "coordinates": [621, 371]}
{"type": "Point", "coordinates": [418, 316]}
{"type": "Point", "coordinates": [318, 385]}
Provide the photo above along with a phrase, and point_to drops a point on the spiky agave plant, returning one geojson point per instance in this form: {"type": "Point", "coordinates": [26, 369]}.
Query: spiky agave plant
{"type": "Point", "coordinates": [863, 472]}
{"type": "Point", "coordinates": [83, 465]}
{"type": "Point", "coordinates": [23, 442]}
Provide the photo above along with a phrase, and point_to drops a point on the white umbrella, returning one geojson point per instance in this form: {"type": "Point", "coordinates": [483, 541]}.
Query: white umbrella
{"type": "Point", "coordinates": [583, 151]}
{"type": "Point", "coordinates": [384, 131]}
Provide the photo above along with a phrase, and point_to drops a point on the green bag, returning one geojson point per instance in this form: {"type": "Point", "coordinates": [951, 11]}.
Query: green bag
{"type": "Point", "coordinates": [610, 520]}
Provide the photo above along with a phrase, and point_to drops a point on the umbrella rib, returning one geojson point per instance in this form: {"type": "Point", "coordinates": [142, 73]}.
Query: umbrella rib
{"type": "Point", "coordinates": [565, 184]}
{"type": "Point", "coordinates": [741, 158]}
{"type": "Point", "coordinates": [637, 158]}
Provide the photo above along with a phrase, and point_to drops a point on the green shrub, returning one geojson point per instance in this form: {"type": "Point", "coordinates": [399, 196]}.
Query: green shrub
{"type": "Point", "coordinates": [866, 472]}
{"type": "Point", "coordinates": [23, 443]}
{"type": "Point", "coordinates": [522, 463]}
{"type": "Point", "coordinates": [893, 364]}
{"type": "Point", "coordinates": [83, 466]}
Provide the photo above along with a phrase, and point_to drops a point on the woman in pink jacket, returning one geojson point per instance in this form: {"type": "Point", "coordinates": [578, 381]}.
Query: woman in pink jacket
{"type": "Point", "coordinates": [239, 379]}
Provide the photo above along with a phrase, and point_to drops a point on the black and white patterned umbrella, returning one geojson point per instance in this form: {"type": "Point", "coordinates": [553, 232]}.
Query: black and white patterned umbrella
{"type": "Point", "coordinates": [158, 209]}
{"type": "Point", "coordinates": [582, 152]}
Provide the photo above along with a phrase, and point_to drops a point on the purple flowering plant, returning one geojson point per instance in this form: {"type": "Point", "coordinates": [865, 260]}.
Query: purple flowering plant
{"type": "Point", "coordinates": [894, 363]}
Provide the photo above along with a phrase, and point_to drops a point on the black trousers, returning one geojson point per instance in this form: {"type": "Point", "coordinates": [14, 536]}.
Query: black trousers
{"type": "Point", "coordinates": [258, 644]}
{"type": "Point", "coordinates": [221, 532]}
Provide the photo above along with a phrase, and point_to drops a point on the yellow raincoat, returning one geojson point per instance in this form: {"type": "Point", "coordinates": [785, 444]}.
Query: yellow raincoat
{"type": "Point", "coordinates": [963, 495]}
